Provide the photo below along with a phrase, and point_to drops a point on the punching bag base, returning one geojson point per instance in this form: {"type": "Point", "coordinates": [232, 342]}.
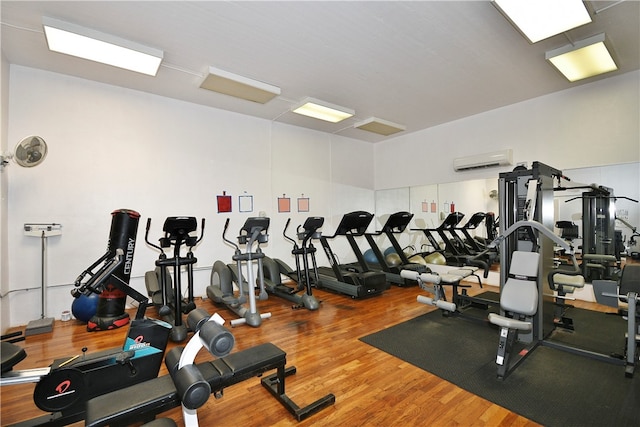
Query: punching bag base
{"type": "Point", "coordinates": [98, 323]}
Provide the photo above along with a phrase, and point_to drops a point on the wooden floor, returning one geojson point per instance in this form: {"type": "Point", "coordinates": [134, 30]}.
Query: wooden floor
{"type": "Point", "coordinates": [371, 387]}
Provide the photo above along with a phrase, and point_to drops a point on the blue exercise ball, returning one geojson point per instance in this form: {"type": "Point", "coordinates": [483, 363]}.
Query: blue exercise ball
{"type": "Point", "coordinates": [84, 307]}
{"type": "Point", "coordinates": [370, 256]}
{"type": "Point", "coordinates": [389, 250]}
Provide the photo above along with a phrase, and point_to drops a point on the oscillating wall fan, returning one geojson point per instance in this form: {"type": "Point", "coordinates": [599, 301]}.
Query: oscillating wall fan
{"type": "Point", "coordinates": [29, 152]}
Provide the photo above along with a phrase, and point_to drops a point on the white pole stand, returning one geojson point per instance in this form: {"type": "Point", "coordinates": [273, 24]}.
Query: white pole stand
{"type": "Point", "coordinates": [44, 231]}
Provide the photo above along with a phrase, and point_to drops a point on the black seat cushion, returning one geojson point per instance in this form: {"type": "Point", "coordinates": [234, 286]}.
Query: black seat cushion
{"type": "Point", "coordinates": [10, 355]}
{"type": "Point", "coordinates": [161, 422]}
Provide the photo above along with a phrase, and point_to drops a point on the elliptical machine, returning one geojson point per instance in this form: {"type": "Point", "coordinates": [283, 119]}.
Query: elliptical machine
{"type": "Point", "coordinates": [164, 295]}
{"type": "Point", "coordinates": [275, 268]}
{"type": "Point", "coordinates": [221, 291]}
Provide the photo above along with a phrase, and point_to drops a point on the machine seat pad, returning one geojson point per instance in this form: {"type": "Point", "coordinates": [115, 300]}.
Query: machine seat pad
{"type": "Point", "coordinates": [508, 322]}
{"type": "Point", "coordinates": [11, 354]}
{"type": "Point", "coordinates": [568, 282]}
{"type": "Point", "coordinates": [599, 258]}
{"type": "Point", "coordinates": [159, 394]}
{"type": "Point", "coordinates": [519, 296]}
{"type": "Point", "coordinates": [420, 268]}
{"type": "Point", "coordinates": [464, 271]}
{"type": "Point", "coordinates": [449, 279]}
{"type": "Point", "coordinates": [630, 280]}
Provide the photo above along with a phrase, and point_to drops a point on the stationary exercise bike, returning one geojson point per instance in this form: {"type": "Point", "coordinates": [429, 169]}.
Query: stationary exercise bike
{"type": "Point", "coordinates": [63, 388]}
{"type": "Point", "coordinates": [223, 276]}
{"type": "Point", "coordinates": [304, 277]}
{"type": "Point", "coordinates": [165, 296]}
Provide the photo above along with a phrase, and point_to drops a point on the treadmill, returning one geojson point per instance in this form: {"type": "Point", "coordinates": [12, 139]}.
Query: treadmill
{"type": "Point", "coordinates": [475, 246]}
{"type": "Point", "coordinates": [450, 252]}
{"type": "Point", "coordinates": [346, 279]}
{"type": "Point", "coordinates": [472, 243]}
{"type": "Point", "coordinates": [395, 224]}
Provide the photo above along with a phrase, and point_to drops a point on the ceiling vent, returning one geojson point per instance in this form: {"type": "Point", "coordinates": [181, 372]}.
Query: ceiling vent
{"type": "Point", "coordinates": [481, 161]}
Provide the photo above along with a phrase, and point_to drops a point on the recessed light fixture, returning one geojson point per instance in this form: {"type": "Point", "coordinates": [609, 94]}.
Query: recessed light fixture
{"type": "Point", "coordinates": [379, 126]}
{"type": "Point", "coordinates": [586, 58]}
{"type": "Point", "coordinates": [71, 39]}
{"type": "Point", "coordinates": [322, 110]}
{"type": "Point", "coordinates": [241, 87]}
{"type": "Point", "coordinates": [541, 19]}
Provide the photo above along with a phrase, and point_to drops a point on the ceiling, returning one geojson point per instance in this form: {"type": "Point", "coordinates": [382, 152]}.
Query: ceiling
{"type": "Point", "coordinates": [417, 63]}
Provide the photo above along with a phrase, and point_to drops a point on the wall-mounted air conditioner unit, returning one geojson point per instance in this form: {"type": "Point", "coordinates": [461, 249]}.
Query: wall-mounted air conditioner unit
{"type": "Point", "coordinates": [481, 161]}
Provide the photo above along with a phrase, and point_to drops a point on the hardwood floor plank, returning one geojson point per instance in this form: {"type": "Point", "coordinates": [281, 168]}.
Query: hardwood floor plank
{"type": "Point", "coordinates": [371, 387]}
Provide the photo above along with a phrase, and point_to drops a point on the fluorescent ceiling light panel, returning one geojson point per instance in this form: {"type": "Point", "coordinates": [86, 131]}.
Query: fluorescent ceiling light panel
{"type": "Point", "coordinates": [241, 87]}
{"type": "Point", "coordinates": [86, 43]}
{"type": "Point", "coordinates": [583, 59]}
{"type": "Point", "coordinates": [379, 126]}
{"type": "Point", "coordinates": [323, 110]}
{"type": "Point", "coordinates": [541, 19]}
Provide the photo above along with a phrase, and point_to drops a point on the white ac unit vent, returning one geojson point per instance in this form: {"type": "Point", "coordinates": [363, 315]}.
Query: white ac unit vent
{"type": "Point", "coordinates": [481, 161]}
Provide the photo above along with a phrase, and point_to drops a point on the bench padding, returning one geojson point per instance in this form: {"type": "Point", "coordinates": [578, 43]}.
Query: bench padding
{"type": "Point", "coordinates": [143, 401]}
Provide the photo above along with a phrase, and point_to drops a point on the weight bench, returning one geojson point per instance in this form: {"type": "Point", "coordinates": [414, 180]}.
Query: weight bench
{"type": "Point", "coordinates": [466, 271]}
{"type": "Point", "coordinates": [438, 280]}
{"type": "Point", "coordinates": [142, 402]}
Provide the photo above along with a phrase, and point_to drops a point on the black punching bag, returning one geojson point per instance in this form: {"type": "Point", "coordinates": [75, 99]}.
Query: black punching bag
{"type": "Point", "coordinates": [110, 312]}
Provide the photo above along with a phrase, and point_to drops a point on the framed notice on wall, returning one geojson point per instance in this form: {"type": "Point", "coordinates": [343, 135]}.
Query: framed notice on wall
{"type": "Point", "coordinates": [284, 204]}
{"type": "Point", "coordinates": [224, 202]}
{"type": "Point", "coordinates": [245, 203]}
{"type": "Point", "coordinates": [303, 204]}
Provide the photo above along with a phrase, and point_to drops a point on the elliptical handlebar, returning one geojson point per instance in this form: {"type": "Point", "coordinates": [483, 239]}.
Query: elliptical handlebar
{"type": "Point", "coordinates": [284, 233]}
{"type": "Point", "coordinates": [201, 234]}
{"type": "Point", "coordinates": [146, 237]}
{"type": "Point", "coordinates": [224, 235]}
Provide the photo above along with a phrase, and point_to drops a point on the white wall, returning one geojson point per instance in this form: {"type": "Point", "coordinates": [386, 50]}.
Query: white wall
{"type": "Point", "coordinates": [112, 148]}
{"type": "Point", "coordinates": [591, 125]}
